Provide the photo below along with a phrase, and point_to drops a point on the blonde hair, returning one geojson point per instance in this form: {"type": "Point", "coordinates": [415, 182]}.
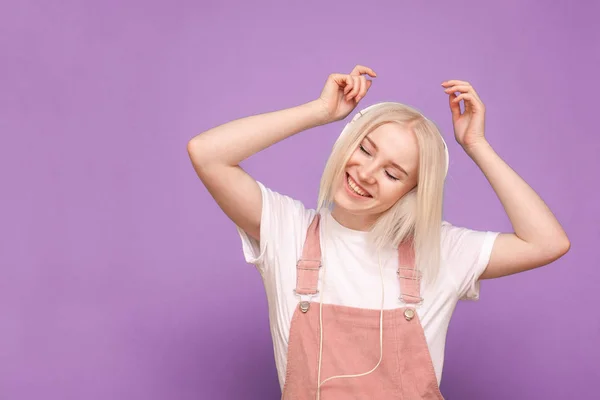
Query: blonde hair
{"type": "Point", "coordinates": [416, 217]}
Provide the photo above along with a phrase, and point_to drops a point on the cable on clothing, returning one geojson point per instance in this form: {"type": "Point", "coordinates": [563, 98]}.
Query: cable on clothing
{"type": "Point", "coordinates": [319, 383]}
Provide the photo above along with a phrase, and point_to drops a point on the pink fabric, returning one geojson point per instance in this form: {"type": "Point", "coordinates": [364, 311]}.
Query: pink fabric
{"type": "Point", "coordinates": [351, 346]}
{"type": "Point", "coordinates": [410, 278]}
{"type": "Point", "coordinates": [307, 268]}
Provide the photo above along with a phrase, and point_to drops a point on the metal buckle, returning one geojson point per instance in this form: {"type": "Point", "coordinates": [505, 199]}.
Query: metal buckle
{"type": "Point", "coordinates": [413, 270]}
{"type": "Point", "coordinates": [306, 294]}
{"type": "Point", "coordinates": [417, 277]}
{"type": "Point", "coordinates": [420, 302]}
{"type": "Point", "coordinates": [309, 269]}
{"type": "Point", "coordinates": [304, 305]}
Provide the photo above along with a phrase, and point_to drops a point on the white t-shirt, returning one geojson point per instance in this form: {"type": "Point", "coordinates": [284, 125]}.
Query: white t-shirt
{"type": "Point", "coordinates": [351, 269]}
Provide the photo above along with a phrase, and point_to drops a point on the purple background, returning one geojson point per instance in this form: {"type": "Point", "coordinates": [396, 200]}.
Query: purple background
{"type": "Point", "coordinates": [120, 278]}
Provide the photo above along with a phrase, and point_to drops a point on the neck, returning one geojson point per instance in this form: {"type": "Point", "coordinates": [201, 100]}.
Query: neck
{"type": "Point", "coordinates": [353, 221]}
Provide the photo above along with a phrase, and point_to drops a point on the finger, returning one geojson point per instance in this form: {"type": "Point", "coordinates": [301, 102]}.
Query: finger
{"type": "Point", "coordinates": [463, 89]}
{"type": "Point", "coordinates": [461, 86]}
{"type": "Point", "coordinates": [458, 88]}
{"type": "Point", "coordinates": [471, 102]}
{"type": "Point", "coordinates": [453, 82]}
{"type": "Point", "coordinates": [361, 69]}
{"type": "Point", "coordinates": [360, 85]}
{"type": "Point", "coordinates": [349, 83]}
{"type": "Point", "coordinates": [476, 95]}
{"type": "Point", "coordinates": [369, 84]}
{"type": "Point", "coordinates": [341, 80]}
{"type": "Point", "coordinates": [364, 87]}
{"type": "Point", "coordinates": [454, 107]}
{"type": "Point", "coordinates": [464, 96]}
{"type": "Point", "coordinates": [355, 88]}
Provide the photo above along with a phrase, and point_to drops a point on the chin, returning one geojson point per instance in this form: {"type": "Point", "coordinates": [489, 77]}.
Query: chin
{"type": "Point", "coordinates": [342, 201]}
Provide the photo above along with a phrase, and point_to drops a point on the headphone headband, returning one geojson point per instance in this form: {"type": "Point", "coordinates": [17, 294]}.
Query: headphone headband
{"type": "Point", "coordinates": [378, 105]}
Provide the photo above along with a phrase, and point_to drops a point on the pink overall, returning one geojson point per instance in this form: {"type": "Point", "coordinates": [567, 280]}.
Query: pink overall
{"type": "Point", "coordinates": [351, 341]}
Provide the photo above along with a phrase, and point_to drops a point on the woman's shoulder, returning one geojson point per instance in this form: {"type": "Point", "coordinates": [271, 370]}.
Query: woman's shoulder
{"type": "Point", "coordinates": [460, 241]}
{"type": "Point", "coordinates": [451, 234]}
{"type": "Point", "coordinates": [450, 230]}
{"type": "Point", "coordinates": [283, 206]}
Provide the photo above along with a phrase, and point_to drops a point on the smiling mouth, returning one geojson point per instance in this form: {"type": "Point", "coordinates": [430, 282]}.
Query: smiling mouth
{"type": "Point", "coordinates": [354, 188]}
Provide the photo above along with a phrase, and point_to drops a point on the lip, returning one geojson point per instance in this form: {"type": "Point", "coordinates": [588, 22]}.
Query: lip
{"type": "Point", "coordinates": [351, 192]}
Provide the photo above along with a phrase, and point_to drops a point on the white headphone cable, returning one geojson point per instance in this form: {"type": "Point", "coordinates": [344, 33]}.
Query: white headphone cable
{"type": "Point", "coordinates": [321, 333]}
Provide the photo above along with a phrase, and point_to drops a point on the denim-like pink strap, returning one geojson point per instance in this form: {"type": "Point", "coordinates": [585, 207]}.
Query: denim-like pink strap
{"type": "Point", "coordinates": [408, 274]}
{"type": "Point", "coordinates": [307, 268]}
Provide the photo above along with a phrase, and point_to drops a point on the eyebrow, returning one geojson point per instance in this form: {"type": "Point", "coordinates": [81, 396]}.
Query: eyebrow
{"type": "Point", "coordinates": [393, 163]}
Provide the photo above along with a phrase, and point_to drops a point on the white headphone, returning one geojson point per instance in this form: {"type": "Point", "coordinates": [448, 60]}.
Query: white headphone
{"type": "Point", "coordinates": [378, 105]}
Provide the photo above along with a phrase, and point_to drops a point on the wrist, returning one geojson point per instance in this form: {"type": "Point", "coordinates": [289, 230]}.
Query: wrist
{"type": "Point", "coordinates": [472, 149]}
{"type": "Point", "coordinates": [320, 112]}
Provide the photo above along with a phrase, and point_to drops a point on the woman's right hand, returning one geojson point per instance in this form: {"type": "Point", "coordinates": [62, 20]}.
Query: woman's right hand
{"type": "Point", "coordinates": [342, 93]}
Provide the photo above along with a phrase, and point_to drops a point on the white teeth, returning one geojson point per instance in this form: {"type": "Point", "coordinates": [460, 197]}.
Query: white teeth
{"type": "Point", "coordinates": [355, 188]}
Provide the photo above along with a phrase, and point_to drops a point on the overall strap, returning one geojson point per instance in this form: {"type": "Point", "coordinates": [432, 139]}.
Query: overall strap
{"type": "Point", "coordinates": [408, 274]}
{"type": "Point", "coordinates": [307, 267]}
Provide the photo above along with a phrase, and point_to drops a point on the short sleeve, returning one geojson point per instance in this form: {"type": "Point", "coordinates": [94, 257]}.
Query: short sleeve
{"type": "Point", "coordinates": [281, 216]}
{"type": "Point", "coordinates": [467, 253]}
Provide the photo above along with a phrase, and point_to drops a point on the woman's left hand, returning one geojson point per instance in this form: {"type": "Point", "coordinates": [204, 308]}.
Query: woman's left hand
{"type": "Point", "coordinates": [469, 126]}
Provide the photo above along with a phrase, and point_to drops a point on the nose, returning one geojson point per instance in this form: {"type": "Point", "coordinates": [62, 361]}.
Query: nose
{"type": "Point", "coordinates": [366, 173]}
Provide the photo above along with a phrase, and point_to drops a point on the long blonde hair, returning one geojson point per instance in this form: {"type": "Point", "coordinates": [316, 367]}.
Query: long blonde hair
{"type": "Point", "coordinates": [417, 216]}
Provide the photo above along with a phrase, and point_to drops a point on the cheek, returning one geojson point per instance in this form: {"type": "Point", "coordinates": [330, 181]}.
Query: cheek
{"type": "Point", "coordinates": [394, 191]}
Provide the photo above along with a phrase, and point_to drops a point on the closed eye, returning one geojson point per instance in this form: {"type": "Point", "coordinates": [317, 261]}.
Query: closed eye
{"type": "Point", "coordinates": [391, 177]}
{"type": "Point", "coordinates": [387, 173]}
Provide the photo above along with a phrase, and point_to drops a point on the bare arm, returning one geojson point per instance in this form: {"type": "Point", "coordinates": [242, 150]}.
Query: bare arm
{"type": "Point", "coordinates": [231, 143]}
{"type": "Point", "coordinates": [217, 153]}
{"type": "Point", "coordinates": [538, 237]}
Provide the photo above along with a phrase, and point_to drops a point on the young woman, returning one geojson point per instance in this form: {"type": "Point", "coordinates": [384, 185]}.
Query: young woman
{"type": "Point", "coordinates": [361, 289]}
